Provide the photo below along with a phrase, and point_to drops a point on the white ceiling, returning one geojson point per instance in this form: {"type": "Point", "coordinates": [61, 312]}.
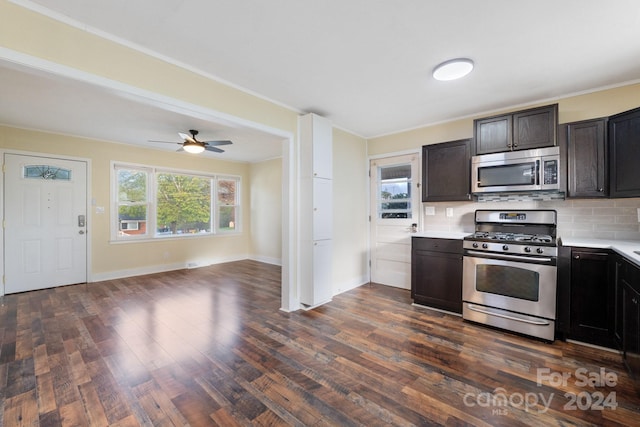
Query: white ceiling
{"type": "Point", "coordinates": [364, 64]}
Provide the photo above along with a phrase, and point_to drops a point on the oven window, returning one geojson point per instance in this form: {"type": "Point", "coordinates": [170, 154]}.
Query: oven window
{"type": "Point", "coordinates": [508, 281]}
{"type": "Point", "coordinates": [514, 174]}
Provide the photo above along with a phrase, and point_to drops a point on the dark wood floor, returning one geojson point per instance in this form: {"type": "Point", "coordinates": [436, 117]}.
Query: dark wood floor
{"type": "Point", "coordinates": [209, 346]}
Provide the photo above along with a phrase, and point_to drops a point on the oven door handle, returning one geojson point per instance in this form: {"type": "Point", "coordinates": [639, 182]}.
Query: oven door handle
{"type": "Point", "coordinates": [538, 260]}
{"type": "Point", "coordinates": [491, 313]}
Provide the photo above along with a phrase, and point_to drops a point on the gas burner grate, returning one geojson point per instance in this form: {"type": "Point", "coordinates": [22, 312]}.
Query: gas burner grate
{"type": "Point", "coordinates": [512, 237]}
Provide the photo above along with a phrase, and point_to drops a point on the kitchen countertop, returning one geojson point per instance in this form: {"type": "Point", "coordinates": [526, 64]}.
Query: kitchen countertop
{"type": "Point", "coordinates": [625, 248]}
{"type": "Point", "coordinates": [459, 235]}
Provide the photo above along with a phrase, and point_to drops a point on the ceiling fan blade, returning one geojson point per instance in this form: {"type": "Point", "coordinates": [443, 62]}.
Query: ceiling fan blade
{"type": "Point", "coordinates": [216, 143]}
{"type": "Point", "coordinates": [186, 137]}
{"type": "Point", "coordinates": [214, 149]}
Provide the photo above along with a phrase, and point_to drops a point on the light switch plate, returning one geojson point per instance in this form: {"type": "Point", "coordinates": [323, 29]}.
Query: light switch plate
{"type": "Point", "coordinates": [449, 212]}
{"type": "Point", "coordinates": [638, 214]}
{"type": "Point", "coordinates": [429, 210]}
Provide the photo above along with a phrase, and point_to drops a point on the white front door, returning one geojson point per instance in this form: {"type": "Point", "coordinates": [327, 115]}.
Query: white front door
{"type": "Point", "coordinates": [45, 238]}
{"type": "Point", "coordinates": [395, 207]}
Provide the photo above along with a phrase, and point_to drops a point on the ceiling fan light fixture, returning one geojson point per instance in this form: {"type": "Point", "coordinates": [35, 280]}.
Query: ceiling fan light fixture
{"type": "Point", "coordinates": [193, 148]}
{"type": "Point", "coordinates": [453, 69]}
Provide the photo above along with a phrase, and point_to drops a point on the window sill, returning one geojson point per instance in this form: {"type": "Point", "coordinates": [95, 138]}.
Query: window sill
{"type": "Point", "coordinates": [175, 237]}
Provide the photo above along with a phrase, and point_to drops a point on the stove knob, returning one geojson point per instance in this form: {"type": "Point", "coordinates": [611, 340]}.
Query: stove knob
{"type": "Point", "coordinates": [527, 249]}
{"type": "Point", "coordinates": [485, 246]}
{"type": "Point", "coordinates": [505, 247]}
{"type": "Point", "coordinates": [475, 245]}
{"type": "Point", "coordinates": [540, 250]}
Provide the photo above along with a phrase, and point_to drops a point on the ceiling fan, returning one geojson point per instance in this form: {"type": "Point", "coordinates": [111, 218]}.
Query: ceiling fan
{"type": "Point", "coordinates": [192, 145]}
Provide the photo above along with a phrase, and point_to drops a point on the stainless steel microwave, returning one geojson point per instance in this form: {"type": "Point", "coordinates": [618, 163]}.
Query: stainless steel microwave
{"type": "Point", "coordinates": [526, 170]}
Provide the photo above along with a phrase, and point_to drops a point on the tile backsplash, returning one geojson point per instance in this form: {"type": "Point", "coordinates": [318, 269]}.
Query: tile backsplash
{"type": "Point", "coordinates": [615, 219]}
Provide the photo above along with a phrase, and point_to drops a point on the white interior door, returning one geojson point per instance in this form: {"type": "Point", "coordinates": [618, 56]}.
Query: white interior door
{"type": "Point", "coordinates": [45, 238]}
{"type": "Point", "coordinates": [395, 207]}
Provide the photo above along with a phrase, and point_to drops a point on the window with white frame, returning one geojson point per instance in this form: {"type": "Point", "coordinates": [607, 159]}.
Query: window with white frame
{"type": "Point", "coordinates": [228, 203]}
{"type": "Point", "coordinates": [132, 201]}
{"type": "Point", "coordinates": [155, 203]}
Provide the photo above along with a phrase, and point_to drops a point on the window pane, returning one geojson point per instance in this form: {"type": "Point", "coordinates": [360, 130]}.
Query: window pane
{"type": "Point", "coordinates": [227, 218]}
{"type": "Point", "coordinates": [132, 186]}
{"type": "Point", "coordinates": [226, 192]}
{"type": "Point", "coordinates": [183, 204]}
{"type": "Point", "coordinates": [394, 197]}
{"type": "Point", "coordinates": [227, 205]}
{"type": "Point", "coordinates": [132, 220]}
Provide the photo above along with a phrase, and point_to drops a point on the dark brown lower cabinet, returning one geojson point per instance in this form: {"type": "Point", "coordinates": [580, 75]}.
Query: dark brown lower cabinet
{"type": "Point", "coordinates": [436, 273]}
{"type": "Point", "coordinates": [618, 320]}
{"type": "Point", "coordinates": [604, 301]}
{"type": "Point", "coordinates": [628, 310]}
{"type": "Point", "coordinates": [592, 297]}
{"type": "Point", "coordinates": [631, 330]}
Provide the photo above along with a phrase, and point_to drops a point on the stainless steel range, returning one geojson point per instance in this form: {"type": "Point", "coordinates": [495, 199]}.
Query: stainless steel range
{"type": "Point", "coordinates": [509, 271]}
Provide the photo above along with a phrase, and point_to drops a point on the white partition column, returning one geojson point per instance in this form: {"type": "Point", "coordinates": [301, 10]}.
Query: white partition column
{"type": "Point", "coordinates": [316, 210]}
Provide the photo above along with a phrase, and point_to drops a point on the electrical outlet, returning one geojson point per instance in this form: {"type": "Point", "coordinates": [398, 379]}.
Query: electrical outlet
{"type": "Point", "coordinates": [429, 210]}
{"type": "Point", "coordinates": [449, 212]}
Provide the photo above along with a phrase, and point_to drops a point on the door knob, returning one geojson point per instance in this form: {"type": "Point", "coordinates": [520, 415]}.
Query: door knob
{"type": "Point", "coordinates": [81, 232]}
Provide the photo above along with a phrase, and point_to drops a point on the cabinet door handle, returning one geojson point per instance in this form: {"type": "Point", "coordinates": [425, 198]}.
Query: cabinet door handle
{"type": "Point", "coordinates": [634, 300]}
{"type": "Point", "coordinates": [600, 190]}
{"type": "Point", "coordinates": [576, 257]}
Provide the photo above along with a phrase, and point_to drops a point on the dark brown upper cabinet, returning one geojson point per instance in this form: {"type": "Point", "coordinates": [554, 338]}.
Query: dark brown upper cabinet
{"type": "Point", "coordinates": [587, 166]}
{"type": "Point", "coordinates": [520, 130]}
{"type": "Point", "coordinates": [446, 171]}
{"type": "Point", "coordinates": [624, 154]}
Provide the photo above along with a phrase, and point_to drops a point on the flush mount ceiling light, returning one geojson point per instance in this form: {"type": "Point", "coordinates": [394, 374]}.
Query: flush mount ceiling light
{"type": "Point", "coordinates": [453, 69]}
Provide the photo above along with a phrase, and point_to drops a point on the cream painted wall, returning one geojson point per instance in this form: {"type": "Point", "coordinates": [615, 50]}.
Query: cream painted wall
{"type": "Point", "coordinates": [581, 107]}
{"type": "Point", "coordinates": [123, 259]}
{"type": "Point", "coordinates": [350, 224]}
{"type": "Point", "coordinates": [350, 212]}
{"type": "Point", "coordinates": [266, 211]}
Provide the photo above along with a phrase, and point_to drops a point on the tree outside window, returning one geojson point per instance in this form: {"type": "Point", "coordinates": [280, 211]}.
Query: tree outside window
{"type": "Point", "coordinates": [227, 204]}
{"type": "Point", "coordinates": [183, 204]}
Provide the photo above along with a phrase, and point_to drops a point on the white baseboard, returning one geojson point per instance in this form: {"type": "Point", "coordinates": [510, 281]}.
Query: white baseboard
{"type": "Point", "coordinates": [266, 260]}
{"type": "Point", "coordinates": [351, 284]}
{"type": "Point", "coordinates": [161, 268]}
